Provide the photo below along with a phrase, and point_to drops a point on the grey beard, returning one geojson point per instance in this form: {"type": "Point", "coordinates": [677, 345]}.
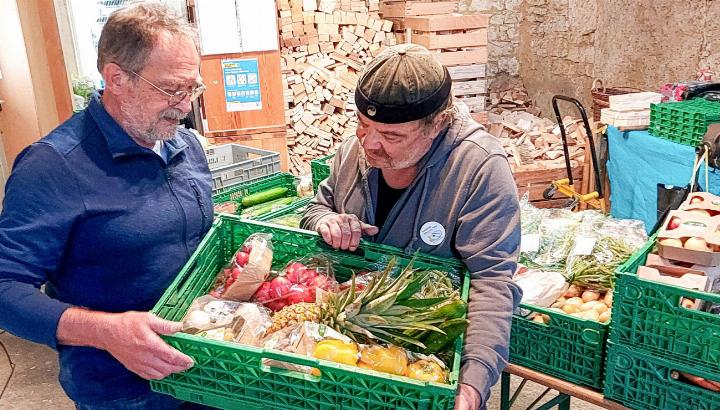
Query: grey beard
{"type": "Point", "coordinates": [152, 134]}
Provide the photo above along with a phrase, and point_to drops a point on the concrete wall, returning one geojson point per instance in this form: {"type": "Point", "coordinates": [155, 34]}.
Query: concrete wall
{"type": "Point", "coordinates": [562, 45]}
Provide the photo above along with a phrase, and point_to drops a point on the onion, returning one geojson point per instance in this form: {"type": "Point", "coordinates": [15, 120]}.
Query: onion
{"type": "Point", "coordinates": [572, 292]}
{"type": "Point", "coordinates": [604, 317]}
{"type": "Point", "coordinates": [688, 303]}
{"type": "Point", "coordinates": [696, 244]}
{"type": "Point", "coordinates": [588, 305]}
{"type": "Point", "coordinates": [671, 242]}
{"type": "Point", "coordinates": [590, 295]}
{"type": "Point", "coordinates": [608, 299]}
{"type": "Point", "coordinates": [600, 307]}
{"type": "Point", "coordinates": [576, 301]}
{"type": "Point", "coordinates": [538, 319]}
{"type": "Point", "coordinates": [570, 308]}
{"type": "Point", "coordinates": [197, 319]}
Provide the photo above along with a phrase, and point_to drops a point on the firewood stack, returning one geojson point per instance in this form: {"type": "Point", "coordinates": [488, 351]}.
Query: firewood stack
{"type": "Point", "coordinates": [516, 99]}
{"type": "Point", "coordinates": [460, 42]}
{"type": "Point", "coordinates": [325, 46]}
{"type": "Point", "coordinates": [535, 151]}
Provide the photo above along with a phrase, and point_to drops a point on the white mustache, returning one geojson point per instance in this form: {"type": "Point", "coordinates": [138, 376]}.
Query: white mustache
{"type": "Point", "coordinates": [175, 115]}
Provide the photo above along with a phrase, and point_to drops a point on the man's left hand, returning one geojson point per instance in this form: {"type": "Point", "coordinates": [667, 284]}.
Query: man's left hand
{"type": "Point", "coordinates": [467, 398]}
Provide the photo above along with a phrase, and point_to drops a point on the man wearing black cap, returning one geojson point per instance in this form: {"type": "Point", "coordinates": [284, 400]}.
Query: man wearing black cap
{"type": "Point", "coordinates": [422, 175]}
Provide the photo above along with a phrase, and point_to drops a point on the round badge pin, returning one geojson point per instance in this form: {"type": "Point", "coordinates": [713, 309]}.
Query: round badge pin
{"type": "Point", "coordinates": [432, 233]}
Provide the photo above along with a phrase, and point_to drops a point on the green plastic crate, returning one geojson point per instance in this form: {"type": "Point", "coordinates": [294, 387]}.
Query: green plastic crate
{"type": "Point", "coordinates": [294, 207]}
{"type": "Point", "coordinates": [647, 316]}
{"type": "Point", "coordinates": [237, 192]}
{"type": "Point", "coordinates": [644, 381]}
{"type": "Point", "coordinates": [684, 122]}
{"type": "Point", "coordinates": [569, 348]}
{"type": "Point", "coordinates": [320, 169]}
{"type": "Point", "coordinates": [230, 375]}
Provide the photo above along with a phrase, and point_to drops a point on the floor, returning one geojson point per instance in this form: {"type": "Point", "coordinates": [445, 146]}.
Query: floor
{"type": "Point", "coordinates": [34, 383]}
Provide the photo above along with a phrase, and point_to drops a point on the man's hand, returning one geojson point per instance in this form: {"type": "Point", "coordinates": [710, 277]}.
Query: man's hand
{"type": "Point", "coordinates": [467, 398]}
{"type": "Point", "coordinates": [343, 231]}
{"type": "Point", "coordinates": [131, 337]}
{"type": "Point", "coordinates": [133, 340]}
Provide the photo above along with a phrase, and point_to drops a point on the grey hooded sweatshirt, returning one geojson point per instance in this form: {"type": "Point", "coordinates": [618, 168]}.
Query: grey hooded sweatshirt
{"type": "Point", "coordinates": [463, 204]}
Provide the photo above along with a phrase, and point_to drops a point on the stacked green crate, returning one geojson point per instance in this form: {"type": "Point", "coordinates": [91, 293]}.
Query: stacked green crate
{"type": "Point", "coordinates": [320, 169]}
{"type": "Point", "coordinates": [653, 338]}
{"type": "Point", "coordinates": [568, 347]}
{"type": "Point", "coordinates": [280, 180]}
{"type": "Point", "coordinates": [231, 375]}
{"type": "Point", "coordinates": [684, 122]}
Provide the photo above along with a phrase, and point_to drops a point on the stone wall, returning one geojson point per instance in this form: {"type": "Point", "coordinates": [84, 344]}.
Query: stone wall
{"type": "Point", "coordinates": [560, 46]}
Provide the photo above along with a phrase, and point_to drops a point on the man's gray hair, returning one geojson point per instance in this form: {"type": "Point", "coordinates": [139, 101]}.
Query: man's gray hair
{"type": "Point", "coordinates": [131, 33]}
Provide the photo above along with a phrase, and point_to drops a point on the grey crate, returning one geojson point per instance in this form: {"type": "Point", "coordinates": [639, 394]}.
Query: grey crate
{"type": "Point", "coordinates": [248, 164]}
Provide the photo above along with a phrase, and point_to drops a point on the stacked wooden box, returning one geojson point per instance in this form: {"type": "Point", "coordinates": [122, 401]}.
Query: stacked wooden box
{"type": "Point", "coordinates": [460, 41]}
{"type": "Point", "coordinates": [325, 46]}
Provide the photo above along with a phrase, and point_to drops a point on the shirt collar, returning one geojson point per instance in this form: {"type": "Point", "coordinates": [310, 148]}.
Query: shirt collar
{"type": "Point", "coordinates": [119, 142]}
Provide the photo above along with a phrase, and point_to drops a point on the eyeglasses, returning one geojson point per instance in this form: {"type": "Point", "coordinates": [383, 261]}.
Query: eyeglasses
{"type": "Point", "coordinates": [178, 96]}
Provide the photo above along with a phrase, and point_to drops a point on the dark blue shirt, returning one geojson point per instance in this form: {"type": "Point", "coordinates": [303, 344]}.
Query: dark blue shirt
{"type": "Point", "coordinates": [106, 224]}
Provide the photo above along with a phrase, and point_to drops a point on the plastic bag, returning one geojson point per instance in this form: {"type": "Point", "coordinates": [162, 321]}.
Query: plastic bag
{"type": "Point", "coordinates": [247, 270]}
{"type": "Point", "coordinates": [226, 320]}
{"type": "Point", "coordinates": [540, 288]}
{"type": "Point", "coordinates": [556, 233]}
{"type": "Point", "coordinates": [601, 245]}
{"type": "Point", "coordinates": [302, 339]}
{"type": "Point", "coordinates": [304, 186]}
{"type": "Point", "coordinates": [298, 282]}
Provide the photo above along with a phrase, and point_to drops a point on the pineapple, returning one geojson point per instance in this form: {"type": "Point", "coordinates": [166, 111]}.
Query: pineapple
{"type": "Point", "coordinates": [294, 314]}
{"type": "Point", "coordinates": [388, 310]}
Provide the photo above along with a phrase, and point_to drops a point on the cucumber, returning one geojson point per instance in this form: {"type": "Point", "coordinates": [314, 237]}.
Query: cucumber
{"type": "Point", "coordinates": [263, 196]}
{"type": "Point", "coordinates": [267, 207]}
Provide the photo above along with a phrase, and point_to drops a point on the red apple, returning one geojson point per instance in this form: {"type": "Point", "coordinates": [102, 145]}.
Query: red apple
{"type": "Point", "coordinates": [696, 199]}
{"type": "Point", "coordinates": [263, 293]}
{"type": "Point", "coordinates": [279, 287]}
{"type": "Point", "coordinates": [242, 258]}
{"type": "Point", "coordinates": [236, 272]}
{"type": "Point", "coordinates": [294, 272]}
{"type": "Point", "coordinates": [674, 223]}
{"type": "Point", "coordinates": [275, 305]}
{"type": "Point", "coordinates": [308, 276]}
{"type": "Point", "coordinates": [323, 282]}
{"type": "Point", "coordinates": [300, 293]}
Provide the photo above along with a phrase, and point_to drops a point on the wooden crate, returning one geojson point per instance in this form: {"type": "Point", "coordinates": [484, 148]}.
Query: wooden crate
{"type": "Point", "coordinates": [536, 181]}
{"type": "Point", "coordinates": [401, 9]}
{"type": "Point", "coordinates": [470, 85]}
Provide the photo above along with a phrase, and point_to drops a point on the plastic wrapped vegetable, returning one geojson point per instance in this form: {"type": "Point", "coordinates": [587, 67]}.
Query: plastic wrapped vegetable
{"type": "Point", "coordinates": [298, 283]}
{"type": "Point", "coordinates": [556, 239]}
{"type": "Point", "coordinates": [601, 245]}
{"type": "Point", "coordinates": [247, 270]}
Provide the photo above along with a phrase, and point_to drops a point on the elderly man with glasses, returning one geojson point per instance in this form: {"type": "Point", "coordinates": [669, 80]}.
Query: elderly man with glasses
{"type": "Point", "coordinates": [104, 211]}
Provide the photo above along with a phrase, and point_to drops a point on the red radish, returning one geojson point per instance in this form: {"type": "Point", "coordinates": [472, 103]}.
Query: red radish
{"type": "Point", "coordinates": [674, 223]}
{"type": "Point", "coordinates": [242, 258]}
{"type": "Point", "coordinates": [275, 305]}
{"type": "Point", "coordinates": [236, 272]}
{"type": "Point", "coordinates": [229, 282]}
{"type": "Point", "coordinates": [247, 249]}
{"type": "Point", "coordinates": [300, 293]}
{"type": "Point", "coordinates": [279, 287]}
{"type": "Point", "coordinates": [263, 293]}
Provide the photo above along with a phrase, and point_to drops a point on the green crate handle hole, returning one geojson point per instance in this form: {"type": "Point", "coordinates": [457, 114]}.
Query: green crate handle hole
{"type": "Point", "coordinates": [289, 373]}
{"type": "Point", "coordinates": [591, 336]}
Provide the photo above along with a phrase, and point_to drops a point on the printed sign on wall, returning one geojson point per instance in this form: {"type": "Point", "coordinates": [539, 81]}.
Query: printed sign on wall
{"type": "Point", "coordinates": [242, 84]}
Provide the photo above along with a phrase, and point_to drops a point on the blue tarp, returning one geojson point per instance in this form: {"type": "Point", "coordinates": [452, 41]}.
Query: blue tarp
{"type": "Point", "coordinates": [638, 162]}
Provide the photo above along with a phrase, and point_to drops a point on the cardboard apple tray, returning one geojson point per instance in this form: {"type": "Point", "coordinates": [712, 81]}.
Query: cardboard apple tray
{"type": "Point", "coordinates": [685, 224]}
